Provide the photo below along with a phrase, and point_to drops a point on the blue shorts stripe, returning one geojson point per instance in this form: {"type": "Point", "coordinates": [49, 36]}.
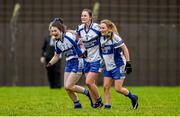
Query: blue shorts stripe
{"type": "Point", "coordinates": [73, 66]}
{"type": "Point", "coordinates": [92, 66]}
{"type": "Point", "coordinates": [115, 74]}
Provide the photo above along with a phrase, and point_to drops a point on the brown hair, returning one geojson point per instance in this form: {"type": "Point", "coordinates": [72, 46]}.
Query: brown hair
{"type": "Point", "coordinates": [89, 12]}
{"type": "Point", "coordinates": [59, 25]}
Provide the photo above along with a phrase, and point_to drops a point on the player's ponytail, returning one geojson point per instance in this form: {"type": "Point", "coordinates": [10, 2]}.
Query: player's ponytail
{"type": "Point", "coordinates": [114, 28]}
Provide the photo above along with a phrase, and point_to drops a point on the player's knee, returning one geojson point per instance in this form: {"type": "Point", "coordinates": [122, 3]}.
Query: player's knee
{"type": "Point", "coordinates": [68, 87]}
{"type": "Point", "coordinates": [106, 87]}
{"type": "Point", "coordinates": [89, 84]}
{"type": "Point", "coordinates": [119, 89]}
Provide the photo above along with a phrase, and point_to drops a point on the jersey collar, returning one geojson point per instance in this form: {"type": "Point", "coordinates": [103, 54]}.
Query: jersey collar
{"type": "Point", "coordinates": [88, 27]}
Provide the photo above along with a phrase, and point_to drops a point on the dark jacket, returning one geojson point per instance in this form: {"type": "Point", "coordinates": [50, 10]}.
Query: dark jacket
{"type": "Point", "coordinates": [48, 48]}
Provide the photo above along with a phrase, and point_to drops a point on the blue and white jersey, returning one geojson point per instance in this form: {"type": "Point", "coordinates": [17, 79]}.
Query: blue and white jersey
{"type": "Point", "coordinates": [111, 52]}
{"type": "Point", "coordinates": [68, 46]}
{"type": "Point", "coordinates": [90, 38]}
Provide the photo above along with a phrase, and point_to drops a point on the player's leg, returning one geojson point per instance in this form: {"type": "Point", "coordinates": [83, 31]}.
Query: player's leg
{"type": "Point", "coordinates": [71, 85]}
{"type": "Point", "coordinates": [90, 82]}
{"type": "Point", "coordinates": [107, 85]}
{"type": "Point", "coordinates": [91, 76]}
{"type": "Point", "coordinates": [71, 94]}
{"type": "Point", "coordinates": [81, 69]}
{"type": "Point", "coordinates": [119, 88]}
{"type": "Point", "coordinates": [74, 76]}
{"type": "Point", "coordinates": [72, 79]}
{"type": "Point", "coordinates": [91, 72]}
{"type": "Point", "coordinates": [86, 69]}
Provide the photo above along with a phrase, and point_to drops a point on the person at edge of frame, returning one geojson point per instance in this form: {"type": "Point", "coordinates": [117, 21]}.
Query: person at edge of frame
{"type": "Point", "coordinates": [48, 49]}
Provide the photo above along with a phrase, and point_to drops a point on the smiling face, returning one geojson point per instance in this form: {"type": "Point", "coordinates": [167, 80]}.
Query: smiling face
{"type": "Point", "coordinates": [56, 32]}
{"type": "Point", "coordinates": [85, 17]}
{"type": "Point", "coordinates": [104, 29]}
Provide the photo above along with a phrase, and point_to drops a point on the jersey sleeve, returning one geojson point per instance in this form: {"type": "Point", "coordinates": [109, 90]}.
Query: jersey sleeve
{"type": "Point", "coordinates": [77, 30]}
{"type": "Point", "coordinates": [72, 40]}
{"type": "Point", "coordinates": [96, 29]}
{"type": "Point", "coordinates": [71, 36]}
{"type": "Point", "coordinates": [118, 41]}
{"type": "Point", "coordinates": [57, 49]}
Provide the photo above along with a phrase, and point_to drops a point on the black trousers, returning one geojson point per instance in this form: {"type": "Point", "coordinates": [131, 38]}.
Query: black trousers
{"type": "Point", "coordinates": [54, 75]}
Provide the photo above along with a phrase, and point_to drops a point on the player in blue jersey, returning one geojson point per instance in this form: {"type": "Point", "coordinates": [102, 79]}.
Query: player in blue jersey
{"type": "Point", "coordinates": [117, 62]}
{"type": "Point", "coordinates": [89, 33]}
{"type": "Point", "coordinates": [66, 44]}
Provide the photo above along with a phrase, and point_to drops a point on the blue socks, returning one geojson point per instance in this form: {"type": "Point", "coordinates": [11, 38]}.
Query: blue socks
{"type": "Point", "coordinates": [86, 92]}
{"type": "Point", "coordinates": [107, 106]}
{"type": "Point", "coordinates": [77, 104]}
{"type": "Point", "coordinates": [99, 100]}
{"type": "Point", "coordinates": [131, 96]}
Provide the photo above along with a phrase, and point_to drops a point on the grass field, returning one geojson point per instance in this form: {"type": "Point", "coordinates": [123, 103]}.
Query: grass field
{"type": "Point", "coordinates": [42, 101]}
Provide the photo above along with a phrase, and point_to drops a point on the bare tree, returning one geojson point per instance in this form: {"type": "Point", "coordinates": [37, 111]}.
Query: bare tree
{"type": "Point", "coordinates": [13, 57]}
{"type": "Point", "coordinates": [96, 10]}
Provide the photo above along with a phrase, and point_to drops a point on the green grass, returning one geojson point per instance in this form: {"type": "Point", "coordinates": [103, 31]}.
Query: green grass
{"type": "Point", "coordinates": [37, 101]}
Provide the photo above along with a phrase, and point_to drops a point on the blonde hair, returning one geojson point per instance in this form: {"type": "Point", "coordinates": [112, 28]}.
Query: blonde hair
{"type": "Point", "coordinates": [50, 25]}
{"type": "Point", "coordinates": [110, 25]}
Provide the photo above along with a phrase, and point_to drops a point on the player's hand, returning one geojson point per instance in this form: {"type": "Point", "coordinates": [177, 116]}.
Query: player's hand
{"type": "Point", "coordinates": [42, 60]}
{"type": "Point", "coordinates": [102, 66]}
{"type": "Point", "coordinates": [48, 66]}
{"type": "Point", "coordinates": [84, 55]}
{"type": "Point", "coordinates": [128, 67]}
{"type": "Point", "coordinates": [80, 42]}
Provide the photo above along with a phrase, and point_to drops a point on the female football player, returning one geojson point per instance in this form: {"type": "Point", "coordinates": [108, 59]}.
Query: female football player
{"type": "Point", "coordinates": [116, 58]}
{"type": "Point", "coordinates": [89, 33]}
{"type": "Point", "coordinates": [66, 44]}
